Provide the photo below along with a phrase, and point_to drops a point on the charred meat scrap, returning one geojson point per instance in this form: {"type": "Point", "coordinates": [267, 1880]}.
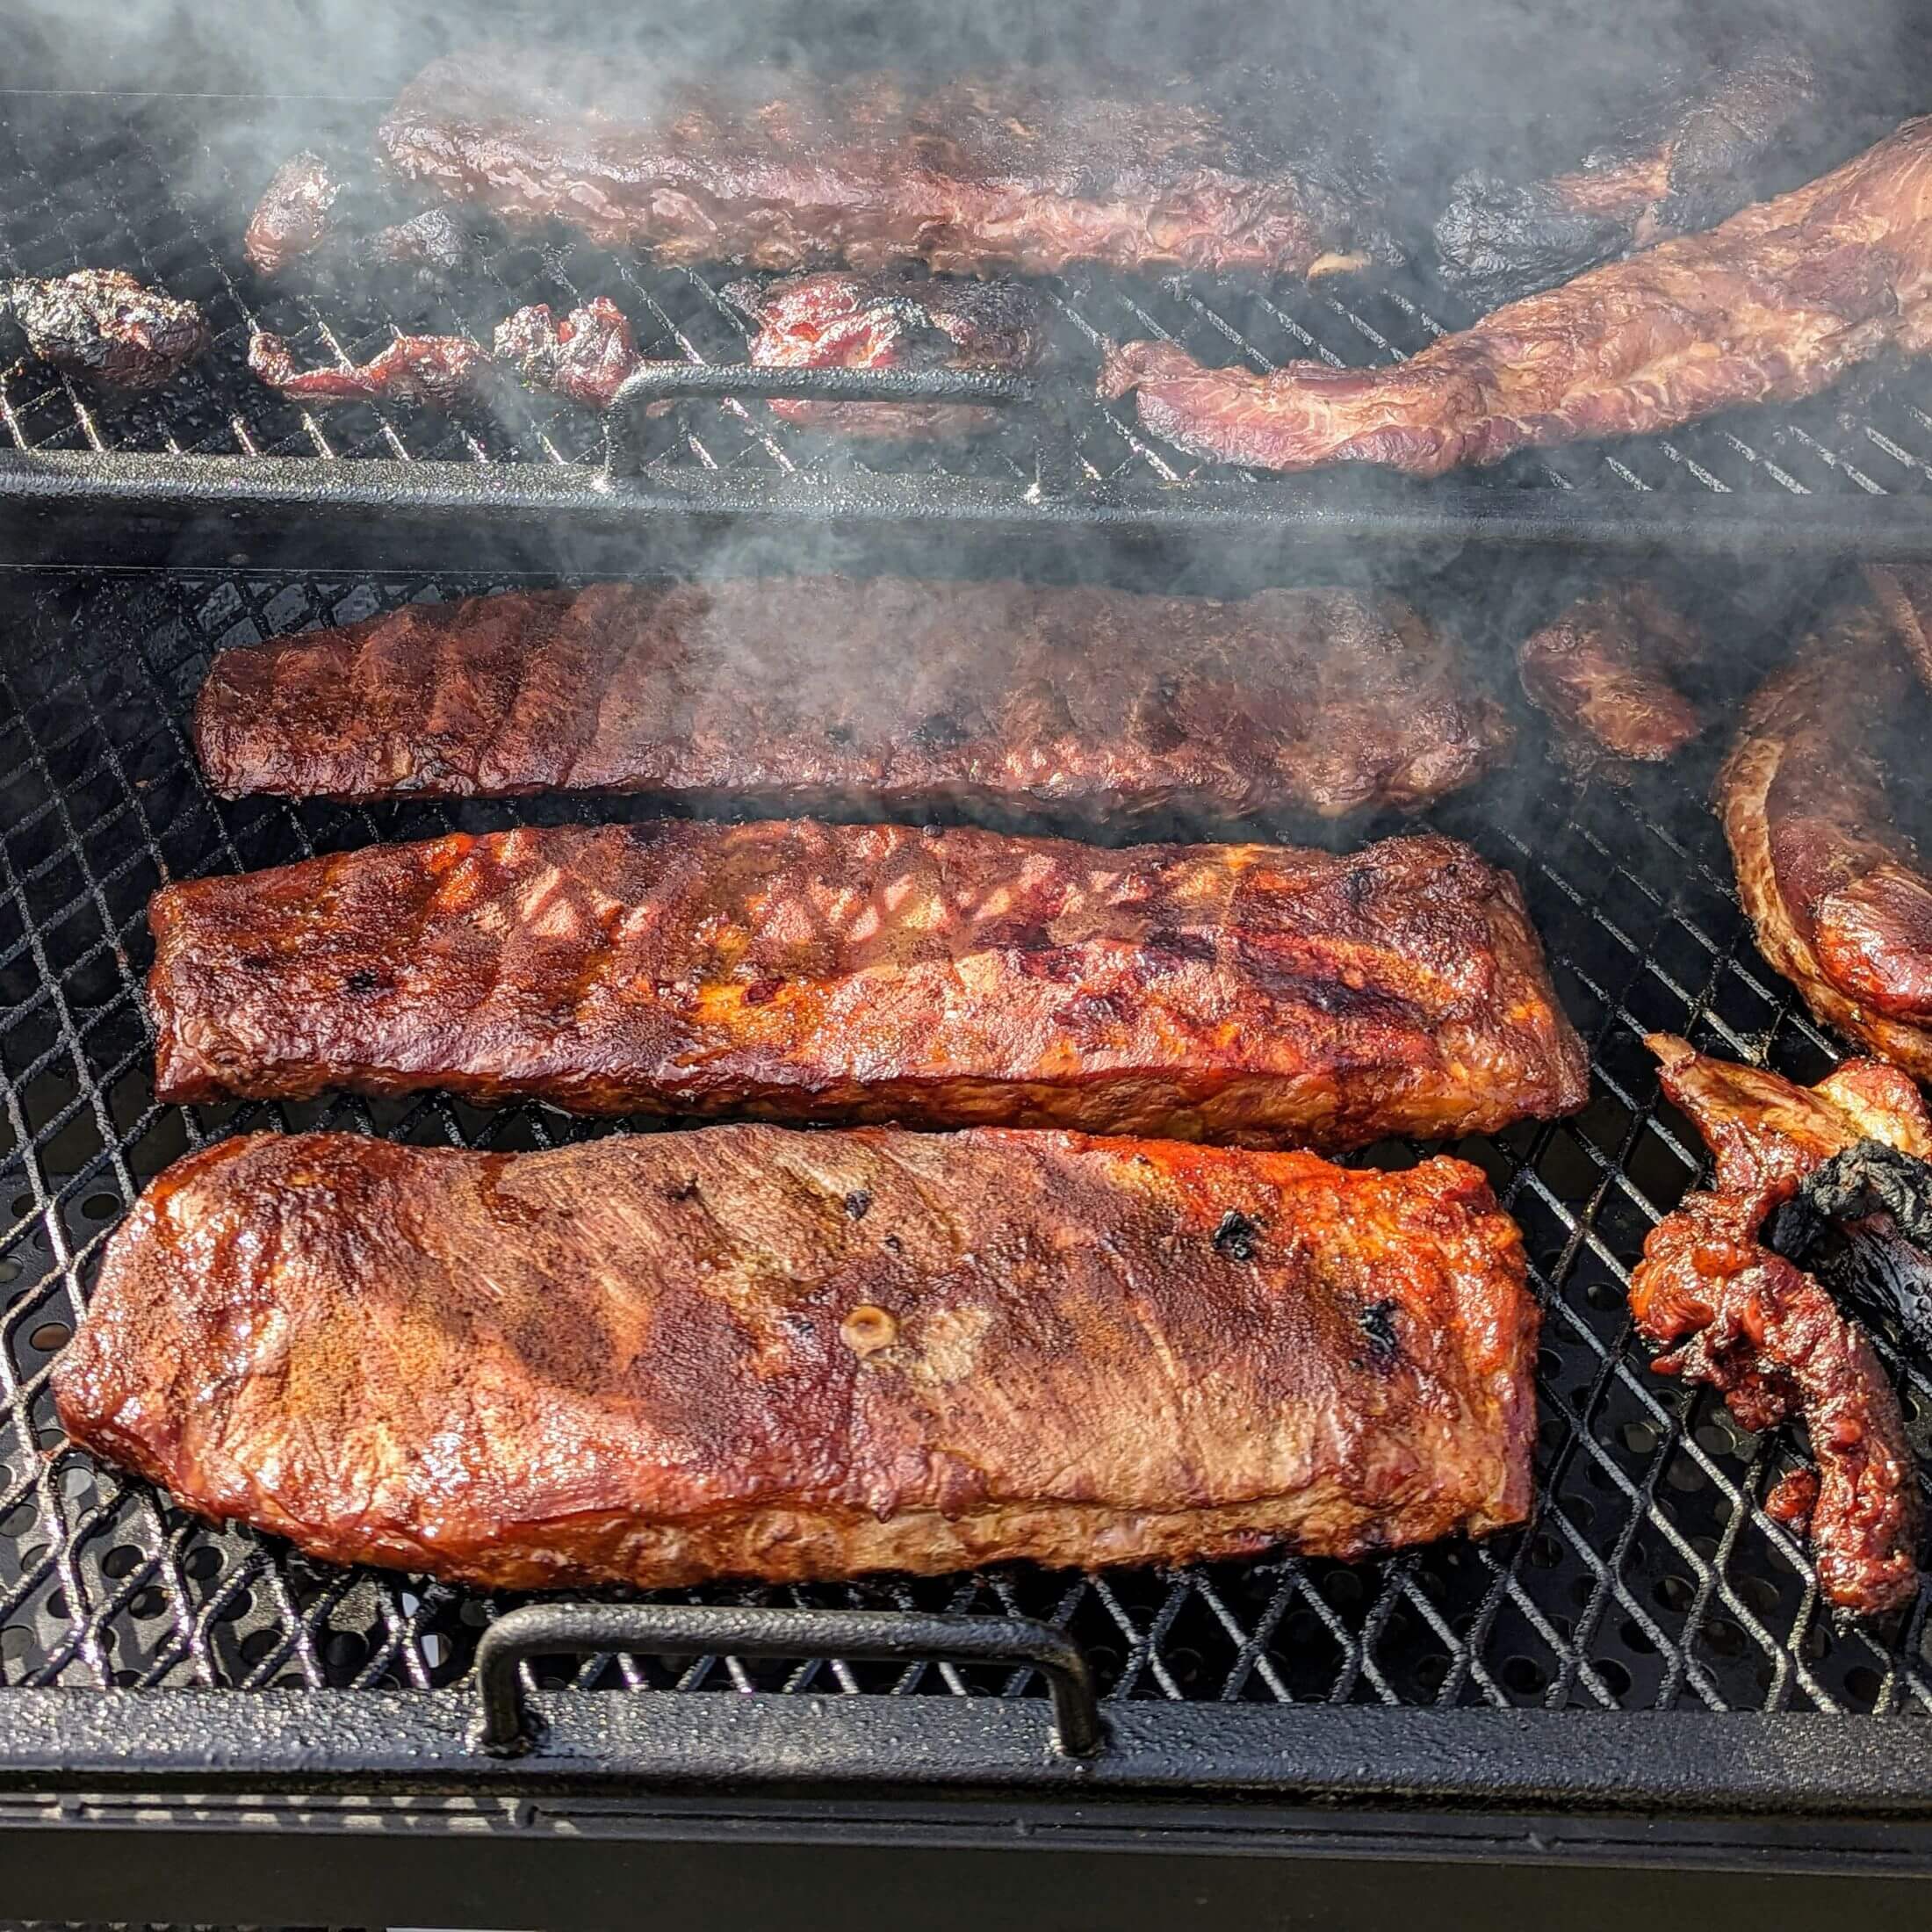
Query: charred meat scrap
{"type": "Point", "coordinates": [1079, 702]}
{"type": "Point", "coordinates": [319, 212]}
{"type": "Point", "coordinates": [104, 325]}
{"type": "Point", "coordinates": [582, 360]}
{"type": "Point", "coordinates": [745, 1351]}
{"type": "Point", "coordinates": [1728, 1310]}
{"type": "Point", "coordinates": [1692, 154]}
{"type": "Point", "coordinates": [438, 371]}
{"type": "Point", "coordinates": [835, 320]}
{"type": "Point", "coordinates": [1810, 796]}
{"type": "Point", "coordinates": [802, 971]}
{"type": "Point", "coordinates": [1024, 172]}
{"type": "Point", "coordinates": [1777, 304]}
{"type": "Point", "coordinates": [1604, 674]}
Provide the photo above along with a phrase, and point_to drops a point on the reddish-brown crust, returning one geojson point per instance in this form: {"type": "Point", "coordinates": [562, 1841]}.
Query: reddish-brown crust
{"type": "Point", "coordinates": [1774, 304]}
{"type": "Point", "coordinates": [1837, 894]}
{"type": "Point", "coordinates": [801, 971]}
{"type": "Point", "coordinates": [1024, 171]}
{"type": "Point", "coordinates": [831, 692]}
{"type": "Point", "coordinates": [660, 1358]}
{"type": "Point", "coordinates": [1602, 673]}
{"type": "Point", "coordinates": [836, 319]}
{"type": "Point", "coordinates": [438, 371]}
{"type": "Point", "coordinates": [1735, 1315]}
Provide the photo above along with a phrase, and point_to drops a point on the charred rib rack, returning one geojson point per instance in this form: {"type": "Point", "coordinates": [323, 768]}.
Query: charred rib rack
{"type": "Point", "coordinates": [801, 971]}
{"type": "Point", "coordinates": [1021, 172]}
{"type": "Point", "coordinates": [871, 694]}
{"type": "Point", "coordinates": [687, 1356]}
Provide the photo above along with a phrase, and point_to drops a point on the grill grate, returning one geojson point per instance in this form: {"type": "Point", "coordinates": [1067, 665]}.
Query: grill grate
{"type": "Point", "coordinates": [1651, 1576]}
{"type": "Point", "coordinates": [144, 182]}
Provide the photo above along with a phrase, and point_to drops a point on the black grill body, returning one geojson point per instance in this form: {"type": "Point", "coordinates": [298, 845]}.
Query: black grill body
{"type": "Point", "coordinates": [1643, 1679]}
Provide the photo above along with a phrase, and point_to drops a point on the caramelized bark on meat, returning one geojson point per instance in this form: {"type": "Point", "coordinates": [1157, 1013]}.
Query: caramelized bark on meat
{"type": "Point", "coordinates": [1020, 171]}
{"type": "Point", "coordinates": [437, 372]}
{"type": "Point", "coordinates": [1602, 673]}
{"type": "Point", "coordinates": [584, 359]}
{"type": "Point", "coordinates": [800, 971]}
{"type": "Point", "coordinates": [1733, 1314]}
{"type": "Point", "coordinates": [660, 1358]}
{"type": "Point", "coordinates": [838, 321]}
{"type": "Point", "coordinates": [1777, 304]}
{"type": "Point", "coordinates": [103, 324]}
{"type": "Point", "coordinates": [1689, 157]}
{"type": "Point", "coordinates": [1839, 897]}
{"type": "Point", "coordinates": [296, 213]}
{"type": "Point", "coordinates": [1080, 701]}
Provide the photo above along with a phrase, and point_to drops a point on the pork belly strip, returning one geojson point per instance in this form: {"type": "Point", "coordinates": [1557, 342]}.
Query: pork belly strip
{"type": "Point", "coordinates": [1730, 1312]}
{"type": "Point", "coordinates": [819, 691]}
{"type": "Point", "coordinates": [1601, 671]}
{"type": "Point", "coordinates": [1838, 895]}
{"type": "Point", "coordinates": [741, 1352]}
{"type": "Point", "coordinates": [1027, 170]}
{"type": "Point", "coordinates": [1776, 303]}
{"type": "Point", "coordinates": [1683, 159]}
{"type": "Point", "coordinates": [801, 971]}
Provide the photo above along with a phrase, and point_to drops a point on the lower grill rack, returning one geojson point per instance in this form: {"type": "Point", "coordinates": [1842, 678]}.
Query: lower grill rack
{"type": "Point", "coordinates": [1651, 1580]}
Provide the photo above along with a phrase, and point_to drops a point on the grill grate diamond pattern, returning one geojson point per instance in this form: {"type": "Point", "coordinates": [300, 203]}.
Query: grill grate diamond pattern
{"type": "Point", "coordinates": [1650, 1576]}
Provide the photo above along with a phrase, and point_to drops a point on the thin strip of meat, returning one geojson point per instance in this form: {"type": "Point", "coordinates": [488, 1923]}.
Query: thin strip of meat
{"type": "Point", "coordinates": [1024, 172]}
{"type": "Point", "coordinates": [841, 321]}
{"type": "Point", "coordinates": [438, 371]}
{"type": "Point", "coordinates": [103, 324]}
{"type": "Point", "coordinates": [879, 693]}
{"type": "Point", "coordinates": [1733, 1314]}
{"type": "Point", "coordinates": [1837, 894]}
{"type": "Point", "coordinates": [1777, 304]}
{"type": "Point", "coordinates": [1687, 158]}
{"type": "Point", "coordinates": [800, 971]}
{"type": "Point", "coordinates": [660, 1359]}
{"type": "Point", "coordinates": [1601, 674]}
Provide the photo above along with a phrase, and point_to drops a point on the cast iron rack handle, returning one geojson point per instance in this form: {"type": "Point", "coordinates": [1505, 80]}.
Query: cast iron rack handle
{"type": "Point", "coordinates": [507, 1728]}
{"type": "Point", "coordinates": [633, 437]}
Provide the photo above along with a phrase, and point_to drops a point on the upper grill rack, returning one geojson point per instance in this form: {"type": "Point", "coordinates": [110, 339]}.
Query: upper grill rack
{"type": "Point", "coordinates": [1650, 1578]}
{"type": "Point", "coordinates": [164, 187]}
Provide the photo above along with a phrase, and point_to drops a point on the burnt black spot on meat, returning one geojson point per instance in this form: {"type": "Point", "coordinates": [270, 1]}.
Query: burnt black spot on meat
{"type": "Point", "coordinates": [894, 1245]}
{"type": "Point", "coordinates": [1237, 1236]}
{"type": "Point", "coordinates": [1378, 1322]}
{"type": "Point", "coordinates": [858, 1204]}
{"type": "Point", "coordinates": [940, 731]}
{"type": "Point", "coordinates": [364, 979]}
{"type": "Point", "coordinates": [762, 991]}
{"type": "Point", "coordinates": [682, 1190]}
{"type": "Point", "coordinates": [1279, 979]}
{"type": "Point", "coordinates": [839, 734]}
{"type": "Point", "coordinates": [1166, 950]}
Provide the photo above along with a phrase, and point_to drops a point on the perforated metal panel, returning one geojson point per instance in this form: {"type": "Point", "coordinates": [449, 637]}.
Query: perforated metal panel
{"type": "Point", "coordinates": [1650, 1576]}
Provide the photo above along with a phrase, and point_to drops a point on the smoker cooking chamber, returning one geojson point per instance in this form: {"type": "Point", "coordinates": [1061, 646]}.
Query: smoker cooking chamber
{"type": "Point", "coordinates": [1651, 1586]}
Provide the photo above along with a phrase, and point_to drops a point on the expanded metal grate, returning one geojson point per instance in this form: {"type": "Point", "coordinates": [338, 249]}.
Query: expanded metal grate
{"type": "Point", "coordinates": [163, 188]}
{"type": "Point", "coordinates": [1650, 1577]}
